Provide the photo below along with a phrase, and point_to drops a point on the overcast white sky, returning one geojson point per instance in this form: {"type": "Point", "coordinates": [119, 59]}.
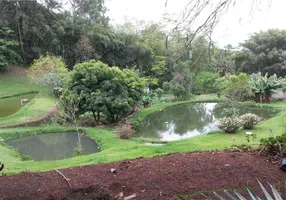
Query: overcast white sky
{"type": "Point", "coordinates": [234, 27]}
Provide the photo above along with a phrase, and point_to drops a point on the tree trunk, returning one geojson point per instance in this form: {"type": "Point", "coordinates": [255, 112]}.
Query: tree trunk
{"type": "Point", "coordinates": [19, 31]}
{"type": "Point", "coordinates": [98, 116]}
{"type": "Point", "coordinates": [267, 97]}
{"type": "Point", "coordinates": [94, 116]}
{"type": "Point", "coordinates": [78, 135]}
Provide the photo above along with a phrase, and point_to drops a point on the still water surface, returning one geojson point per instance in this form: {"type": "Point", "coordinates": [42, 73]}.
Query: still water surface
{"type": "Point", "coordinates": [189, 120]}
{"type": "Point", "coordinates": [11, 105]}
{"type": "Point", "coordinates": [52, 146]}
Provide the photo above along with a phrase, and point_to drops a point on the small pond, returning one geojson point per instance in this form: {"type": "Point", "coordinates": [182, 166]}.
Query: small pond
{"type": "Point", "coordinates": [9, 106]}
{"type": "Point", "coordinates": [189, 120]}
{"type": "Point", "coordinates": [52, 146]}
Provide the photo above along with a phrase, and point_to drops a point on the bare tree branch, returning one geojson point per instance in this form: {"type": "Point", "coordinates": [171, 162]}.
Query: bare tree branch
{"type": "Point", "coordinates": [202, 16]}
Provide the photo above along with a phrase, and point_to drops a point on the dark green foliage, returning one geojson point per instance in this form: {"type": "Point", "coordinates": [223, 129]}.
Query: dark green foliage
{"type": "Point", "coordinates": [166, 86]}
{"type": "Point", "coordinates": [32, 23]}
{"type": "Point", "coordinates": [77, 34]}
{"type": "Point", "coordinates": [179, 92]}
{"type": "Point", "coordinates": [264, 52]}
{"type": "Point", "coordinates": [8, 55]}
{"type": "Point", "coordinates": [159, 92]}
{"type": "Point", "coordinates": [104, 90]}
{"type": "Point", "coordinates": [205, 82]}
{"type": "Point", "coordinates": [274, 145]}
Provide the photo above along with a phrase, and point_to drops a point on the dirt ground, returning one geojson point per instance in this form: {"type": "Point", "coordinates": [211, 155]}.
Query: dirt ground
{"type": "Point", "coordinates": [163, 177]}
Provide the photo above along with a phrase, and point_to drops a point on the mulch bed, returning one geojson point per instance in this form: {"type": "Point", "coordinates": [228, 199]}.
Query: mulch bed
{"type": "Point", "coordinates": [161, 177]}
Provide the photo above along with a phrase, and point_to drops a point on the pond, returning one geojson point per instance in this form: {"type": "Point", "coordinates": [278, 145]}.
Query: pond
{"type": "Point", "coordinates": [189, 120]}
{"type": "Point", "coordinates": [9, 106]}
{"type": "Point", "coordinates": [52, 146]}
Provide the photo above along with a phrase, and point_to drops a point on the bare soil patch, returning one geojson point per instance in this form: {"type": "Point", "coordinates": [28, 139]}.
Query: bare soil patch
{"type": "Point", "coordinates": [162, 177]}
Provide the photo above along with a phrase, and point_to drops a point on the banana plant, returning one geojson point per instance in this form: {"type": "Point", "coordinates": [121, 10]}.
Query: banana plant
{"type": "Point", "coordinates": [264, 86]}
{"type": "Point", "coordinates": [253, 196]}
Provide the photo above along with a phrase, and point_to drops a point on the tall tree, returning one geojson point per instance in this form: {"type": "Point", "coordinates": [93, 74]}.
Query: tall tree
{"type": "Point", "coordinates": [264, 52]}
{"type": "Point", "coordinates": [90, 10]}
{"type": "Point", "coordinates": [31, 22]}
{"type": "Point", "coordinates": [7, 49]}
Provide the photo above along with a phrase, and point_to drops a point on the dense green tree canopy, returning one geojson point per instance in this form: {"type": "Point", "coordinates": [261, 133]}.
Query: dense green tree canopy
{"type": "Point", "coordinates": [8, 46]}
{"type": "Point", "coordinates": [264, 52]}
{"type": "Point", "coordinates": [103, 90]}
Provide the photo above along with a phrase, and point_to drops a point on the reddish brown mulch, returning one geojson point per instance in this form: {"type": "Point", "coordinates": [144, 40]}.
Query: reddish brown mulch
{"type": "Point", "coordinates": [150, 178]}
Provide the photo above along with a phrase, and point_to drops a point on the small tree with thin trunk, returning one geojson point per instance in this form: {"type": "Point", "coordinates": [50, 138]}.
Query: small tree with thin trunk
{"type": "Point", "coordinates": [70, 105]}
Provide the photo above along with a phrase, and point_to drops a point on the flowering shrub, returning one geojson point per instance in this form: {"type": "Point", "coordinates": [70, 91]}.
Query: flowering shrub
{"type": "Point", "coordinates": [47, 70]}
{"type": "Point", "coordinates": [229, 124]}
{"type": "Point", "coordinates": [124, 131]}
{"type": "Point", "coordinates": [249, 121]}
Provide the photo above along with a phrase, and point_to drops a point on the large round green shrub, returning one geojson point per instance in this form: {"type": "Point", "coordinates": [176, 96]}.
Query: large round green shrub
{"type": "Point", "coordinates": [229, 124]}
{"type": "Point", "coordinates": [107, 92]}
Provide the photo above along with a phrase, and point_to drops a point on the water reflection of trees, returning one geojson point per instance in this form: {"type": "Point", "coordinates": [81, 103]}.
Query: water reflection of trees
{"type": "Point", "coordinates": [186, 118]}
{"type": "Point", "coordinates": [199, 117]}
{"type": "Point", "coordinates": [265, 113]}
{"type": "Point", "coordinates": [11, 105]}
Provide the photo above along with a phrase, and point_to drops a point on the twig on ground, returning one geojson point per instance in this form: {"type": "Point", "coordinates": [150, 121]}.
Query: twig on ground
{"type": "Point", "coordinates": [260, 151]}
{"type": "Point", "coordinates": [66, 179]}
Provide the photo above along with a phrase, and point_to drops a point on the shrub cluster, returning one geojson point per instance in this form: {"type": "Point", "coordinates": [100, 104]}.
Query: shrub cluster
{"type": "Point", "coordinates": [232, 124]}
{"type": "Point", "coordinates": [249, 120]}
{"type": "Point", "coordinates": [229, 124]}
{"type": "Point", "coordinates": [274, 145]}
{"type": "Point", "coordinates": [125, 131]}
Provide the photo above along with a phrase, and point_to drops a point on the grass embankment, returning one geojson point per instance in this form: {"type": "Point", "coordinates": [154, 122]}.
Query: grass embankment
{"type": "Point", "coordinates": [114, 149]}
{"type": "Point", "coordinates": [15, 85]}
